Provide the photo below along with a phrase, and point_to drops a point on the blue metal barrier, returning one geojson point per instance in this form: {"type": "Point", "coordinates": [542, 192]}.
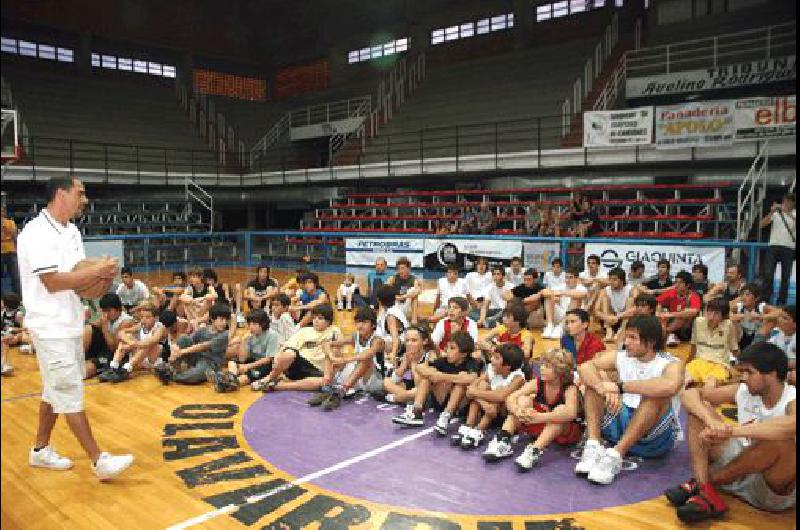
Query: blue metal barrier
{"type": "Point", "coordinates": [278, 247]}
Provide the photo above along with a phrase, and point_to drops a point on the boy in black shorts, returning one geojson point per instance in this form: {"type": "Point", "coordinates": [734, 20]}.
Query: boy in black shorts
{"type": "Point", "coordinates": [445, 380]}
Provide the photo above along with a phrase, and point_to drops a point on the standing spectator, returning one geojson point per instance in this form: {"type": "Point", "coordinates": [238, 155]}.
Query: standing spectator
{"type": "Point", "coordinates": [9, 248]}
{"type": "Point", "coordinates": [533, 220]}
{"type": "Point", "coordinates": [375, 279]}
{"type": "Point", "coordinates": [131, 291]}
{"type": "Point", "coordinates": [487, 221]}
{"type": "Point", "coordinates": [782, 242]}
{"type": "Point", "coordinates": [588, 219]}
{"type": "Point", "coordinates": [547, 224]}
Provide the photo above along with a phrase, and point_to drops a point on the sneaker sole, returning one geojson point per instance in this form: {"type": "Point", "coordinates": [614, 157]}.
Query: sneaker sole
{"type": "Point", "coordinates": [523, 469]}
{"type": "Point", "coordinates": [699, 517]}
{"type": "Point", "coordinates": [42, 466]}
{"type": "Point", "coordinates": [494, 458]}
{"type": "Point", "coordinates": [406, 424]}
{"type": "Point", "coordinates": [438, 430]}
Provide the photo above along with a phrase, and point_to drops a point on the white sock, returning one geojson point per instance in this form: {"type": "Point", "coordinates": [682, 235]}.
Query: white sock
{"type": "Point", "coordinates": [128, 367]}
{"type": "Point", "coordinates": [445, 415]}
{"type": "Point", "coordinates": [159, 362]}
{"type": "Point", "coordinates": [113, 364]}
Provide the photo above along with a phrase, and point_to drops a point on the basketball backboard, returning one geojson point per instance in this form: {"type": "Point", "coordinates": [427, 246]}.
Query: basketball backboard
{"type": "Point", "coordinates": [10, 136]}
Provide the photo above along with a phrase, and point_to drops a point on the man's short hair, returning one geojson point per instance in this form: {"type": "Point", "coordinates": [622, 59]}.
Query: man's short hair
{"type": "Point", "coordinates": [310, 277]}
{"type": "Point", "coordinates": [179, 274]}
{"type": "Point", "coordinates": [126, 270]}
{"type": "Point", "coordinates": [220, 311]}
{"type": "Point", "coordinates": [210, 274]}
{"type": "Point", "coordinates": [453, 267]}
{"type": "Point", "coordinates": [402, 260]}
{"type": "Point", "coordinates": [791, 311]}
{"type": "Point", "coordinates": [581, 314]}
{"type": "Point", "coordinates": [664, 262]}
{"type": "Point", "coordinates": [593, 257]}
{"type": "Point", "coordinates": [110, 301]}
{"type": "Point", "coordinates": [766, 358]}
{"type": "Point", "coordinates": [531, 272]}
{"type": "Point", "coordinates": [516, 258]}
{"type": "Point", "coordinates": [500, 269]}
{"type": "Point", "coordinates": [283, 299]}
{"type": "Point", "coordinates": [557, 260]}
{"type": "Point", "coordinates": [789, 197]}
{"type": "Point", "coordinates": [516, 311]}
{"type": "Point", "coordinates": [460, 301]}
{"type": "Point", "coordinates": [573, 270]}
{"type": "Point", "coordinates": [512, 355]}
{"type": "Point", "coordinates": [685, 277]}
{"type": "Point", "coordinates": [463, 341]}
{"type": "Point", "coordinates": [617, 272]}
{"type": "Point", "coordinates": [637, 266]}
{"type": "Point", "coordinates": [11, 300]}
{"type": "Point", "coordinates": [366, 314]}
{"type": "Point", "coordinates": [168, 318]}
{"type": "Point", "coordinates": [649, 329]}
{"type": "Point", "coordinates": [260, 317]}
{"type": "Point", "coordinates": [386, 295]}
{"type": "Point", "coordinates": [325, 311]}
{"type": "Point", "coordinates": [739, 268]}
{"type": "Point", "coordinates": [646, 300]}
{"type": "Point", "coordinates": [719, 305]}
{"type": "Point", "coordinates": [701, 267]}
{"type": "Point", "coordinates": [58, 183]}
{"type": "Point", "coordinates": [754, 289]}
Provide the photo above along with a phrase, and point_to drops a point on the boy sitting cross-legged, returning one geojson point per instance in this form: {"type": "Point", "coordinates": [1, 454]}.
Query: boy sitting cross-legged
{"type": "Point", "coordinates": [256, 353]}
{"type": "Point", "coordinates": [142, 345]}
{"type": "Point", "coordinates": [511, 331]}
{"type": "Point", "coordinates": [446, 379]}
{"type": "Point", "coordinates": [546, 408]}
{"type": "Point", "coordinates": [302, 359]}
{"type": "Point", "coordinates": [343, 375]}
{"type": "Point", "coordinates": [488, 394]}
{"type": "Point", "coordinates": [401, 386]}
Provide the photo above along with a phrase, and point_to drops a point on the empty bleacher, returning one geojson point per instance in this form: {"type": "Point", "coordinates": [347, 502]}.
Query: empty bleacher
{"type": "Point", "coordinates": [99, 119]}
{"type": "Point", "coordinates": [666, 211]}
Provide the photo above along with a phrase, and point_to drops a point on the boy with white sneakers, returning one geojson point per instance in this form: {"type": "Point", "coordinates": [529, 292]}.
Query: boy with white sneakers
{"type": "Point", "coordinates": [49, 247]}
{"type": "Point", "coordinates": [638, 414]}
{"type": "Point", "coordinates": [558, 302]}
{"type": "Point", "coordinates": [446, 380]}
{"type": "Point", "coordinates": [487, 395]}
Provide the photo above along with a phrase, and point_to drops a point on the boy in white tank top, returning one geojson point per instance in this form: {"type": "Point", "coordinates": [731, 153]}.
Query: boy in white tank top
{"type": "Point", "coordinates": [141, 344]}
{"type": "Point", "coordinates": [755, 459]}
{"type": "Point", "coordinates": [638, 414]}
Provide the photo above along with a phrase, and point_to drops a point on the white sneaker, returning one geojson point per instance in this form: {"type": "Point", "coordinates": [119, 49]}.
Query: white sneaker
{"type": "Point", "coordinates": [109, 466]}
{"type": "Point", "coordinates": [672, 340]}
{"type": "Point", "coordinates": [25, 348]}
{"type": "Point", "coordinates": [529, 458]}
{"type": "Point", "coordinates": [607, 468]}
{"type": "Point", "coordinates": [390, 398]}
{"type": "Point", "coordinates": [558, 331]}
{"type": "Point", "coordinates": [340, 306]}
{"type": "Point", "coordinates": [442, 423]}
{"type": "Point", "coordinates": [6, 369]}
{"type": "Point", "coordinates": [497, 450]}
{"type": "Point", "coordinates": [48, 458]}
{"type": "Point", "coordinates": [548, 330]}
{"type": "Point", "coordinates": [349, 307]}
{"type": "Point", "coordinates": [592, 452]}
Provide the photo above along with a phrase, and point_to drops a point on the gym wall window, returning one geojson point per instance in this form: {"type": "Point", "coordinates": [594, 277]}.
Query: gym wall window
{"type": "Point", "coordinates": [378, 50]}
{"type": "Point", "coordinates": [126, 64]}
{"type": "Point", "coordinates": [28, 48]}
{"type": "Point", "coordinates": [470, 29]}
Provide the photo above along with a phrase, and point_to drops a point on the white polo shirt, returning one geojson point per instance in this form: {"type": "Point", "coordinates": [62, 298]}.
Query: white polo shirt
{"type": "Point", "coordinates": [134, 295]}
{"type": "Point", "coordinates": [449, 290]}
{"type": "Point", "coordinates": [44, 246]}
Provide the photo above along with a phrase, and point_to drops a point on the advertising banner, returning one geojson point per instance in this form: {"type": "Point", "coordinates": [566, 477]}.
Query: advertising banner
{"type": "Point", "coordinates": [681, 258]}
{"type": "Point", "coordinates": [539, 255]}
{"type": "Point", "coordinates": [767, 117]}
{"type": "Point", "coordinates": [364, 252]}
{"type": "Point", "coordinates": [761, 72]}
{"type": "Point", "coordinates": [695, 124]}
{"type": "Point", "coordinates": [439, 253]}
{"type": "Point", "coordinates": [618, 127]}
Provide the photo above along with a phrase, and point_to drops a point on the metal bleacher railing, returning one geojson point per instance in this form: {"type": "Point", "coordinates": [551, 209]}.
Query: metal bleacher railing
{"type": "Point", "coordinates": [709, 52]}
{"type": "Point", "coordinates": [284, 249]}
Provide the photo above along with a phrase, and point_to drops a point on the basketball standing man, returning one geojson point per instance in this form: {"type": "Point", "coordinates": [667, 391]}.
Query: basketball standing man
{"type": "Point", "coordinates": [49, 247]}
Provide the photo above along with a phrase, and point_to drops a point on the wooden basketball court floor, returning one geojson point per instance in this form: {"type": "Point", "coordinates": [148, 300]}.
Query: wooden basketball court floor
{"type": "Point", "coordinates": [194, 465]}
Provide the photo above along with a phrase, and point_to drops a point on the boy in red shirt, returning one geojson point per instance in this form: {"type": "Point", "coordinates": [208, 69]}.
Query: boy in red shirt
{"type": "Point", "coordinates": [577, 340]}
{"type": "Point", "coordinates": [678, 308]}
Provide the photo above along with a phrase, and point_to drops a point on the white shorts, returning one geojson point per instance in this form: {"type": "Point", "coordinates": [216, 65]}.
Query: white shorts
{"type": "Point", "coordinates": [62, 368]}
{"type": "Point", "coordinates": [752, 489]}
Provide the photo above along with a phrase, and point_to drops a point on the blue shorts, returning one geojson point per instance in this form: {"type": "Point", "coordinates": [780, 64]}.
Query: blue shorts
{"type": "Point", "coordinates": [659, 442]}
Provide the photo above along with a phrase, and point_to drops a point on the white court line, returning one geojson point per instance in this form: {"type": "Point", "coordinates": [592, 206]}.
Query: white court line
{"type": "Point", "coordinates": [308, 478]}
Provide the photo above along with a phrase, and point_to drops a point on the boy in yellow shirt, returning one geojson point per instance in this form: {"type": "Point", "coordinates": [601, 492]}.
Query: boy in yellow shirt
{"type": "Point", "coordinates": [714, 344]}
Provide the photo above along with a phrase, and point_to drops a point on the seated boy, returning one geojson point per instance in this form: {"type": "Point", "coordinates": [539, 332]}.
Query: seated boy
{"type": "Point", "coordinates": [302, 357]}
{"type": "Point", "coordinates": [643, 304]}
{"type": "Point", "coordinates": [131, 291]}
{"type": "Point", "coordinates": [613, 301]}
{"type": "Point", "coordinates": [638, 414]}
{"type": "Point", "coordinates": [755, 460]}
{"type": "Point", "coordinates": [455, 320]}
{"type": "Point", "coordinates": [511, 331]}
{"type": "Point", "coordinates": [166, 297]}
{"type": "Point", "coordinates": [342, 375]}
{"type": "Point", "coordinates": [785, 337]}
{"type": "Point", "coordinates": [311, 296]}
{"type": "Point", "coordinates": [495, 298]}
{"type": "Point", "coordinates": [546, 409]}
{"type": "Point", "coordinates": [101, 338]}
{"type": "Point", "coordinates": [140, 345]}
{"type": "Point", "coordinates": [529, 294]}
{"type": "Point", "coordinates": [347, 290]}
{"type": "Point", "coordinates": [680, 307]}
{"type": "Point", "coordinates": [196, 300]}
{"type": "Point", "coordinates": [488, 394]}
{"type": "Point", "coordinates": [582, 344]}
{"type": "Point", "coordinates": [714, 345]}
{"type": "Point", "coordinates": [446, 379]}
{"type": "Point", "coordinates": [194, 355]}
{"type": "Point", "coordinates": [557, 303]}
{"type": "Point", "coordinates": [749, 314]}
{"type": "Point", "coordinates": [449, 287]}
{"type": "Point", "coordinates": [281, 320]}
{"type": "Point", "coordinates": [255, 355]}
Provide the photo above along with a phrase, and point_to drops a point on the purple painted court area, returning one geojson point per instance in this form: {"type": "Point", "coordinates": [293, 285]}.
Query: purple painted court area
{"type": "Point", "coordinates": [427, 473]}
